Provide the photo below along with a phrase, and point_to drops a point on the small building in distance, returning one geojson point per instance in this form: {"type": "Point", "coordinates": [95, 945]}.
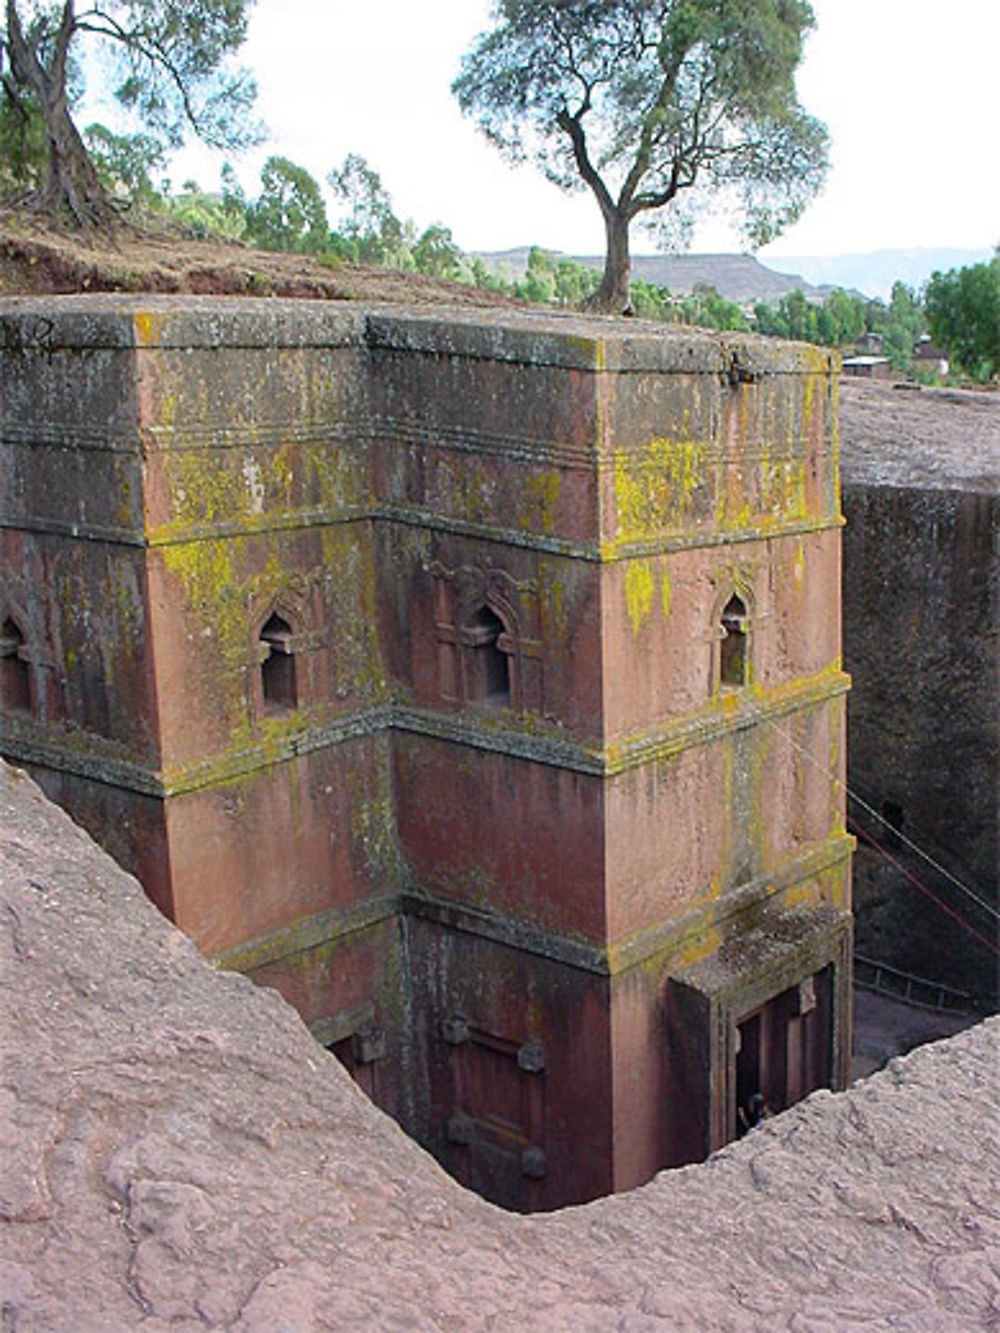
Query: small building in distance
{"type": "Point", "coordinates": [869, 344]}
{"type": "Point", "coordinates": [866, 367]}
{"type": "Point", "coordinates": [928, 357]}
{"type": "Point", "coordinates": [472, 679]}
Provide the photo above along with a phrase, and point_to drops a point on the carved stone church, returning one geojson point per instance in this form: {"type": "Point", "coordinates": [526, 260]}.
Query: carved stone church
{"type": "Point", "coordinates": [473, 680]}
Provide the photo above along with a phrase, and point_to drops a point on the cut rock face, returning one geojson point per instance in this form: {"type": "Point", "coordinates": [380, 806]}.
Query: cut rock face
{"type": "Point", "coordinates": [178, 1152]}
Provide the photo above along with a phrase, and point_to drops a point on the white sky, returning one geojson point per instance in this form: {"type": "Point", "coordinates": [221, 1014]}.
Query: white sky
{"type": "Point", "coordinates": [908, 89]}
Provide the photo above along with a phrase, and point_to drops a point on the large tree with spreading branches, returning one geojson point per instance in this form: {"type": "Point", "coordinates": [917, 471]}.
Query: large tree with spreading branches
{"type": "Point", "coordinates": [173, 64]}
{"type": "Point", "coordinates": [654, 106]}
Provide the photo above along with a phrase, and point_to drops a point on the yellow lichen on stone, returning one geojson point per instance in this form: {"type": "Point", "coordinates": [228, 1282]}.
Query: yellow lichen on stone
{"type": "Point", "coordinates": [148, 328]}
{"type": "Point", "coordinates": [655, 488]}
{"type": "Point", "coordinates": [639, 588]}
{"type": "Point", "coordinates": [204, 489]}
{"type": "Point", "coordinates": [666, 592]}
{"type": "Point", "coordinates": [350, 577]}
{"type": "Point", "coordinates": [799, 564]}
{"type": "Point", "coordinates": [543, 497]}
{"type": "Point", "coordinates": [553, 609]}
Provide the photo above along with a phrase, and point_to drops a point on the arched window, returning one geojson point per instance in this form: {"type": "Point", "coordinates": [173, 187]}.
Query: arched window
{"type": "Point", "coordinates": [733, 655]}
{"type": "Point", "coordinates": [277, 668]}
{"type": "Point", "coordinates": [15, 673]}
{"type": "Point", "coordinates": [488, 662]}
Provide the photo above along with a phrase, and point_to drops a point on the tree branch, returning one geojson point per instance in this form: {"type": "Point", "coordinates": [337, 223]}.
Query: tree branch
{"type": "Point", "coordinates": [650, 126]}
{"type": "Point", "coordinates": [67, 26]}
{"type": "Point", "coordinates": [149, 49]}
{"type": "Point", "coordinates": [571, 125]}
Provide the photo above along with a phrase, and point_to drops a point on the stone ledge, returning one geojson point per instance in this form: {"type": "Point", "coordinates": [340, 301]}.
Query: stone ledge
{"type": "Point", "coordinates": [44, 324]}
{"type": "Point", "coordinates": [509, 736]}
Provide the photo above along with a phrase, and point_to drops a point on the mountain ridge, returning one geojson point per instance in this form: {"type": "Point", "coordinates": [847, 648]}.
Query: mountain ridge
{"type": "Point", "coordinates": [737, 277]}
{"type": "Point", "coordinates": [745, 278]}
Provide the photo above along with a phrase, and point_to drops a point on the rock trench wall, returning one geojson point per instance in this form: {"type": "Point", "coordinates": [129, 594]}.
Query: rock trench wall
{"type": "Point", "coordinates": [921, 617]}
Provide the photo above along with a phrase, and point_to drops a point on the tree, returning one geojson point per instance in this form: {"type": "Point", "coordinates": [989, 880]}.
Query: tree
{"type": "Point", "coordinates": [436, 253]}
{"type": "Point", "coordinates": [173, 62]}
{"type": "Point", "coordinates": [900, 323]}
{"type": "Point", "coordinates": [652, 105]}
{"type": "Point", "coordinates": [289, 213]}
{"type": "Point", "coordinates": [963, 315]}
{"type": "Point", "coordinates": [378, 234]}
{"type": "Point", "coordinates": [124, 161]}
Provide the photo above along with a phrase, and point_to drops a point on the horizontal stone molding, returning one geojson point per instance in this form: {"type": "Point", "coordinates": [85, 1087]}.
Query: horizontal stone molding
{"type": "Point", "coordinates": [78, 759]}
{"type": "Point", "coordinates": [594, 551]}
{"type": "Point", "coordinates": [174, 533]}
{"type": "Point", "coordinates": [349, 428]}
{"type": "Point", "coordinates": [327, 928]}
{"type": "Point", "coordinates": [76, 435]}
{"type": "Point", "coordinates": [85, 532]}
{"type": "Point", "coordinates": [338, 923]}
{"type": "Point", "coordinates": [486, 731]}
{"type": "Point", "coordinates": [512, 932]}
{"type": "Point", "coordinates": [520, 448]}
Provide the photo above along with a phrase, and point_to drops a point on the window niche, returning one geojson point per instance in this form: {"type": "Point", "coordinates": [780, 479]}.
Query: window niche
{"type": "Point", "coordinates": [277, 666]}
{"type": "Point", "coordinates": [15, 673]}
{"type": "Point", "coordinates": [488, 666]}
{"type": "Point", "coordinates": [734, 644]}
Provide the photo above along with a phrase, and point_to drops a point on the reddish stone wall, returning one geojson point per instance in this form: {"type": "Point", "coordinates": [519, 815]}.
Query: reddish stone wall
{"type": "Point", "coordinates": [411, 664]}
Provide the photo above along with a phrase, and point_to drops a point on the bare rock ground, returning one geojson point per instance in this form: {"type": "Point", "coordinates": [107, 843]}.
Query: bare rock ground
{"type": "Point", "coordinates": [177, 1154]}
{"type": "Point", "coordinates": [937, 439]}
{"type": "Point", "coordinates": [884, 1028]}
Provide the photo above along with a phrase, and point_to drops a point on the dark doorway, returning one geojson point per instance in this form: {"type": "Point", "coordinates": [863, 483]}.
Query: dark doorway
{"type": "Point", "coordinates": [784, 1048]}
{"type": "Point", "coordinates": [15, 674]}
{"type": "Point", "coordinates": [363, 1072]}
{"type": "Point", "coordinates": [748, 1072]}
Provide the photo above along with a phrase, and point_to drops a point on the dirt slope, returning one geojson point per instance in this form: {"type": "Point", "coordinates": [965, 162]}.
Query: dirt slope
{"type": "Point", "coordinates": [35, 257]}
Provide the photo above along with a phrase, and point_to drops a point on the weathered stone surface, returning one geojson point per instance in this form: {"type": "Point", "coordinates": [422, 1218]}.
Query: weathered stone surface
{"type": "Point", "coordinates": [937, 439]}
{"type": "Point", "coordinates": [430, 667]}
{"type": "Point", "coordinates": [178, 1153]}
{"type": "Point", "coordinates": [921, 492]}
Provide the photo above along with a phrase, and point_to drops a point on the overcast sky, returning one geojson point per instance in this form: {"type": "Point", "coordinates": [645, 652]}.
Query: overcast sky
{"type": "Point", "coordinates": [908, 89]}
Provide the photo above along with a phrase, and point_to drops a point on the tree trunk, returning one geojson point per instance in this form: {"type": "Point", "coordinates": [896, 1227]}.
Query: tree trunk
{"type": "Point", "coordinates": [612, 296]}
{"type": "Point", "coordinates": [71, 182]}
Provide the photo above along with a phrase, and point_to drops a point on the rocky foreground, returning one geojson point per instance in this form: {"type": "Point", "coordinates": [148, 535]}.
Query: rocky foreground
{"type": "Point", "coordinates": [177, 1153]}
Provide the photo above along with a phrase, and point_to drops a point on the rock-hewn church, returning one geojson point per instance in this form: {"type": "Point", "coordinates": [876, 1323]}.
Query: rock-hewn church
{"type": "Point", "coordinates": [475, 681]}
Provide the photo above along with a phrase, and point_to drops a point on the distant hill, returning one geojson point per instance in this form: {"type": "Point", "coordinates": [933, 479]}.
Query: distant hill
{"type": "Point", "coordinates": [875, 272]}
{"type": "Point", "coordinates": [739, 278]}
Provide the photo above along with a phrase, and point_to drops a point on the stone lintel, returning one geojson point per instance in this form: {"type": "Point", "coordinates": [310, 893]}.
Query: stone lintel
{"type": "Point", "coordinates": [793, 943]}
